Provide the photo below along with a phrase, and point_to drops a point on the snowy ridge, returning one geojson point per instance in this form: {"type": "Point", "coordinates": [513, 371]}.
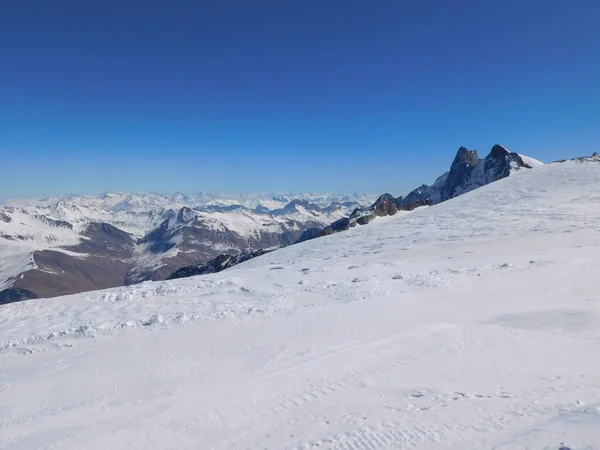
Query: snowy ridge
{"type": "Point", "coordinates": [468, 324]}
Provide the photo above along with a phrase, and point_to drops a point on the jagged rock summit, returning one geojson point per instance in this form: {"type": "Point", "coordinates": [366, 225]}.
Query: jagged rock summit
{"type": "Point", "coordinates": [466, 173]}
{"type": "Point", "coordinates": [469, 172]}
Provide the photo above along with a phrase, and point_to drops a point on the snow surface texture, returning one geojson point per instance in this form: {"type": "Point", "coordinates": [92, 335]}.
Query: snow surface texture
{"type": "Point", "coordinates": [473, 324]}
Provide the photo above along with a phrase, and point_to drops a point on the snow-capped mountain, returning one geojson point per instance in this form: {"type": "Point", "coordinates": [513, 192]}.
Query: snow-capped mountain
{"type": "Point", "coordinates": [470, 324]}
{"type": "Point", "coordinates": [66, 244]}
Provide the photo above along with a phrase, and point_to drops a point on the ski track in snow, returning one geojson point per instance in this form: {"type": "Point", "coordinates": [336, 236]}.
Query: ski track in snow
{"type": "Point", "coordinates": [470, 324]}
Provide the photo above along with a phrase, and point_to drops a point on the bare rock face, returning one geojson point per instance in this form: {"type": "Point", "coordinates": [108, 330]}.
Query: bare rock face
{"type": "Point", "coordinates": [309, 234]}
{"type": "Point", "coordinates": [500, 162]}
{"type": "Point", "coordinates": [385, 205]}
{"type": "Point", "coordinates": [468, 172]}
{"type": "Point", "coordinates": [217, 264]}
{"type": "Point", "coordinates": [339, 225]}
{"type": "Point", "coordinates": [4, 217]}
{"type": "Point", "coordinates": [460, 171]}
{"type": "Point", "coordinates": [13, 294]}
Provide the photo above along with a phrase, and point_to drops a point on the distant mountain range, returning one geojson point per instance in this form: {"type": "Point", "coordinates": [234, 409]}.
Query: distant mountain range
{"type": "Point", "coordinates": [60, 245]}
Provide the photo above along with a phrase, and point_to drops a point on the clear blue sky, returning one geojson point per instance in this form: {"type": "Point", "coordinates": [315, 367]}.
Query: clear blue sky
{"type": "Point", "coordinates": [321, 95]}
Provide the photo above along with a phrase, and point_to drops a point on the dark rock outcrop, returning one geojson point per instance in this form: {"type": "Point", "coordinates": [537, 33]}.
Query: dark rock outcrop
{"type": "Point", "coordinates": [469, 172]}
{"type": "Point", "coordinates": [342, 224]}
{"type": "Point", "coordinates": [309, 234]}
{"type": "Point", "coordinates": [385, 205]}
{"type": "Point", "coordinates": [460, 170]}
{"type": "Point", "coordinates": [217, 264]}
{"type": "Point", "coordinates": [4, 217]}
{"type": "Point", "coordinates": [500, 161]}
{"type": "Point", "coordinates": [11, 295]}
{"type": "Point", "coordinates": [185, 215]}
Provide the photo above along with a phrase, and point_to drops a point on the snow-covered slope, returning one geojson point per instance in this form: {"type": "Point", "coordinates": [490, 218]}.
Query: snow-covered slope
{"type": "Point", "coordinates": [469, 324]}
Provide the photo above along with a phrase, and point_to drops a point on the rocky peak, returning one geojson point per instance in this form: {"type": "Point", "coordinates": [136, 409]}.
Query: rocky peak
{"type": "Point", "coordinates": [386, 205]}
{"type": "Point", "coordinates": [498, 151]}
{"type": "Point", "coordinates": [384, 198]}
{"type": "Point", "coordinates": [465, 157]}
{"type": "Point", "coordinates": [168, 214]}
{"type": "Point", "coordinates": [500, 162]}
{"type": "Point", "coordinates": [185, 215]}
{"type": "Point", "coordinates": [460, 171]}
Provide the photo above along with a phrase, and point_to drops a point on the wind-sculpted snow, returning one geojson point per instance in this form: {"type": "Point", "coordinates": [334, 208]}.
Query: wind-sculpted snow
{"type": "Point", "coordinates": [469, 324]}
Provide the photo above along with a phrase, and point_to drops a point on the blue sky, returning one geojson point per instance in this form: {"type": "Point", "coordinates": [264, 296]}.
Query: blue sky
{"type": "Point", "coordinates": [240, 96]}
